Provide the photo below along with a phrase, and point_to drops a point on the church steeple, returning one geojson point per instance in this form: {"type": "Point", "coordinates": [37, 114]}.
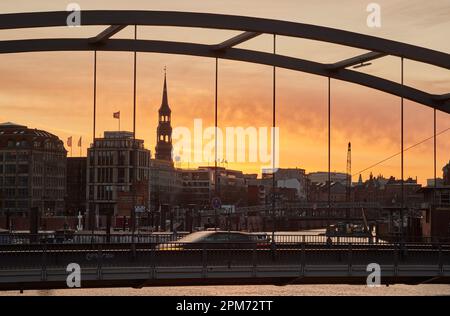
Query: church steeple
{"type": "Point", "coordinates": [164, 131]}
{"type": "Point", "coordinates": [165, 100]}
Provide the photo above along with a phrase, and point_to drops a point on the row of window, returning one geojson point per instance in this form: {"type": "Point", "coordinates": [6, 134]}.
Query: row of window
{"type": "Point", "coordinates": [106, 175]}
{"type": "Point", "coordinates": [118, 144]}
{"type": "Point", "coordinates": [12, 193]}
{"type": "Point", "coordinates": [192, 190]}
{"type": "Point", "coordinates": [26, 144]}
{"type": "Point", "coordinates": [105, 192]}
{"type": "Point", "coordinates": [37, 168]}
{"type": "Point", "coordinates": [49, 181]}
{"type": "Point", "coordinates": [9, 204]}
{"type": "Point", "coordinates": [13, 181]}
{"type": "Point", "coordinates": [165, 138]}
{"type": "Point", "coordinates": [164, 118]}
{"type": "Point", "coordinates": [12, 169]}
{"type": "Point", "coordinates": [121, 158]}
{"type": "Point", "coordinates": [14, 156]}
{"type": "Point", "coordinates": [196, 184]}
{"type": "Point", "coordinates": [25, 156]}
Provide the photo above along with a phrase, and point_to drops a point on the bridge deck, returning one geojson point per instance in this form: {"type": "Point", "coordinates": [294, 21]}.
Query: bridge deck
{"type": "Point", "coordinates": [128, 266]}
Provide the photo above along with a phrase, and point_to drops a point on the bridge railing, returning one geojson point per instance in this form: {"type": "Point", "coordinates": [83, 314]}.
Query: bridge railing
{"type": "Point", "coordinates": [235, 254]}
{"type": "Point", "coordinates": [159, 238]}
{"type": "Point", "coordinates": [55, 238]}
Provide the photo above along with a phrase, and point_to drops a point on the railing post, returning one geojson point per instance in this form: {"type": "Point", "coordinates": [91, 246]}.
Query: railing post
{"type": "Point", "coordinates": [395, 260]}
{"type": "Point", "coordinates": [204, 261]}
{"type": "Point", "coordinates": [254, 262]}
{"type": "Point", "coordinates": [350, 258]}
{"type": "Point", "coordinates": [152, 261]}
{"type": "Point", "coordinates": [99, 262]}
{"type": "Point", "coordinates": [440, 264]}
{"type": "Point", "coordinates": [44, 263]}
{"type": "Point", "coordinates": [302, 259]}
{"type": "Point", "coordinates": [273, 250]}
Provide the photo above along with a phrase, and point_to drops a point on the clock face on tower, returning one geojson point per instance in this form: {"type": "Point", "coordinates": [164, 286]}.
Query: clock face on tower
{"type": "Point", "coordinates": [164, 131]}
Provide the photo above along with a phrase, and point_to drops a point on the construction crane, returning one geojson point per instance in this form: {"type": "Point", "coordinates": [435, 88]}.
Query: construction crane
{"type": "Point", "coordinates": [349, 172]}
{"type": "Point", "coordinates": [349, 188]}
{"type": "Point", "coordinates": [347, 228]}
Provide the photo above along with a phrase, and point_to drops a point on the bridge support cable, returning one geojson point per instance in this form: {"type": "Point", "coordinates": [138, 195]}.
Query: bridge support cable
{"type": "Point", "coordinates": [402, 195]}
{"type": "Point", "coordinates": [329, 144]}
{"type": "Point", "coordinates": [135, 155]}
{"type": "Point", "coordinates": [434, 156]}
{"type": "Point", "coordinates": [93, 211]}
{"type": "Point", "coordinates": [216, 178]}
{"type": "Point", "coordinates": [274, 104]}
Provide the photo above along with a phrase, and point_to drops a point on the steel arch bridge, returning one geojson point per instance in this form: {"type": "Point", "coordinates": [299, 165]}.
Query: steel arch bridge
{"type": "Point", "coordinates": [250, 27]}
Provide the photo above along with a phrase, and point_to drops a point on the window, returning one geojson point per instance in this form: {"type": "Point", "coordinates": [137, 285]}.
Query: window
{"type": "Point", "coordinates": [10, 193]}
{"type": "Point", "coordinates": [22, 204]}
{"type": "Point", "coordinates": [10, 204]}
{"type": "Point", "coordinates": [23, 181]}
{"type": "Point", "coordinates": [10, 168]}
{"type": "Point", "coordinates": [23, 156]}
{"type": "Point", "coordinates": [121, 175]}
{"type": "Point", "coordinates": [91, 192]}
{"type": "Point", "coordinates": [122, 158]}
{"type": "Point", "coordinates": [23, 168]}
{"type": "Point", "coordinates": [445, 198]}
{"type": "Point", "coordinates": [10, 157]}
{"type": "Point", "coordinates": [10, 181]}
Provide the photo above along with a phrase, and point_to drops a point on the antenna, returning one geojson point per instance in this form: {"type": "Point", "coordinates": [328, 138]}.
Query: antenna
{"type": "Point", "coordinates": [349, 171]}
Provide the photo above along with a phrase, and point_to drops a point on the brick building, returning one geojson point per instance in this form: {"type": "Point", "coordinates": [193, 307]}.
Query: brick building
{"type": "Point", "coordinates": [32, 171]}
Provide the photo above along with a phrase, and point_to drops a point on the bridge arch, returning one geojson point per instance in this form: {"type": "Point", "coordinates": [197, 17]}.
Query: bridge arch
{"type": "Point", "coordinates": [251, 27]}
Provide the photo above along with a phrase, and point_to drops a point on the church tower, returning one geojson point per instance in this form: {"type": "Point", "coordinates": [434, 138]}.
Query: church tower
{"type": "Point", "coordinates": [164, 131]}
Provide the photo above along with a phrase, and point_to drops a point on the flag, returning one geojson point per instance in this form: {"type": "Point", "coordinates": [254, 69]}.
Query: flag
{"type": "Point", "coordinates": [116, 115]}
{"type": "Point", "coordinates": [69, 141]}
{"type": "Point", "coordinates": [79, 142]}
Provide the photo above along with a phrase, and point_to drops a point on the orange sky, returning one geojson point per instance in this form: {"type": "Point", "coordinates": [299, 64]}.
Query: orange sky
{"type": "Point", "coordinates": [53, 91]}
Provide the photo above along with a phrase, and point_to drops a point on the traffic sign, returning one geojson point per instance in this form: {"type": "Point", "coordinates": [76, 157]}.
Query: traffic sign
{"type": "Point", "coordinates": [139, 209]}
{"type": "Point", "coordinates": [216, 203]}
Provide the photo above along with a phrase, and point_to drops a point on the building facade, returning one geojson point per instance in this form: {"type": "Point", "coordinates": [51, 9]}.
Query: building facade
{"type": "Point", "coordinates": [165, 183]}
{"type": "Point", "coordinates": [32, 171]}
{"type": "Point", "coordinates": [322, 177]}
{"type": "Point", "coordinates": [446, 171]}
{"type": "Point", "coordinates": [116, 164]}
{"type": "Point", "coordinates": [197, 187]}
{"type": "Point", "coordinates": [76, 186]}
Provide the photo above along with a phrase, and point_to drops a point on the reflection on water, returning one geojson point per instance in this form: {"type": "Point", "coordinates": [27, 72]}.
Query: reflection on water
{"type": "Point", "coordinates": [45, 293]}
{"type": "Point", "coordinates": [261, 290]}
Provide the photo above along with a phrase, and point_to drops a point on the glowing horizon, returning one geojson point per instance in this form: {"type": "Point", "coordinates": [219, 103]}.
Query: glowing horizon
{"type": "Point", "coordinates": [53, 91]}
